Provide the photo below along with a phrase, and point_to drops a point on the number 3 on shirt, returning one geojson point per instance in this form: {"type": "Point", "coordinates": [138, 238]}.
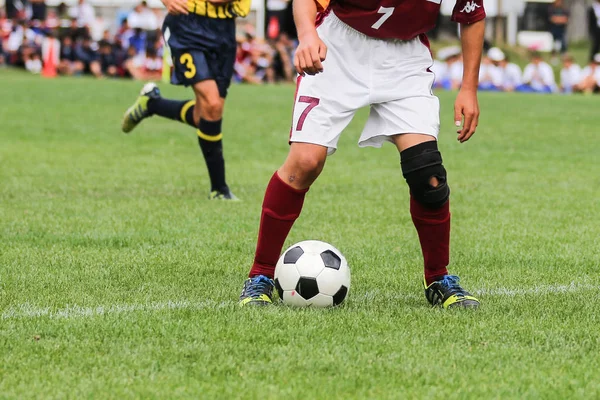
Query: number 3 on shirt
{"type": "Point", "coordinates": [387, 13]}
{"type": "Point", "coordinates": [187, 60]}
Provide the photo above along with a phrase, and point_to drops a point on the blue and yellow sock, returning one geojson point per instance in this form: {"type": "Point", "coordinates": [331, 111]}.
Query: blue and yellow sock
{"type": "Point", "coordinates": [182, 111]}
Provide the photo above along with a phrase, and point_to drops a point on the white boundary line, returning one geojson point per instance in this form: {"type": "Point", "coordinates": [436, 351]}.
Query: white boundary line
{"type": "Point", "coordinates": [26, 311]}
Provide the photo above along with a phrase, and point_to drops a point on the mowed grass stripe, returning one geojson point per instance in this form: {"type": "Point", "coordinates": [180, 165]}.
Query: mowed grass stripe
{"type": "Point", "coordinates": [76, 311]}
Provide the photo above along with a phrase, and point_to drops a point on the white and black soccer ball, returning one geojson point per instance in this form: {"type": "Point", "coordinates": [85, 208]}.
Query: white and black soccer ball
{"type": "Point", "coordinates": [312, 273]}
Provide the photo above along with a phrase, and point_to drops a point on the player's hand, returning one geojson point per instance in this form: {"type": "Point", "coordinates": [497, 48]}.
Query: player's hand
{"type": "Point", "coordinates": [310, 54]}
{"type": "Point", "coordinates": [176, 7]}
{"type": "Point", "coordinates": [466, 106]}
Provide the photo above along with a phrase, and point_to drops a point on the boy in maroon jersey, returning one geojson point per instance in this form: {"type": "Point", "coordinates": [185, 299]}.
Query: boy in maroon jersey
{"type": "Point", "coordinates": [372, 53]}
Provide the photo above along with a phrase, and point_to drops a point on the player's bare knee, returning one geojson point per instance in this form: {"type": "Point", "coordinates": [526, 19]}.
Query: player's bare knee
{"type": "Point", "coordinates": [301, 169]}
{"type": "Point", "coordinates": [426, 176]}
{"type": "Point", "coordinates": [309, 164]}
{"type": "Point", "coordinates": [211, 107]}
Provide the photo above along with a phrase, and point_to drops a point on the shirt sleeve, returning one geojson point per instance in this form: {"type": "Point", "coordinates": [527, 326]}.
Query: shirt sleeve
{"type": "Point", "coordinates": [468, 11]}
{"type": "Point", "coordinates": [241, 8]}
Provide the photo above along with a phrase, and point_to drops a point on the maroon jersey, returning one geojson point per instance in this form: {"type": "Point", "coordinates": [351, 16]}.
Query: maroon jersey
{"type": "Point", "coordinates": [401, 19]}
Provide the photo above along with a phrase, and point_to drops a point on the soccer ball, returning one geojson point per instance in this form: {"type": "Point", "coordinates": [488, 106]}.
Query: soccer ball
{"type": "Point", "coordinates": [312, 273]}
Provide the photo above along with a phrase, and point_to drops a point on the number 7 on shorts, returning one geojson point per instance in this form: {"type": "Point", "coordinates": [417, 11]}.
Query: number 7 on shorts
{"type": "Point", "coordinates": [312, 103]}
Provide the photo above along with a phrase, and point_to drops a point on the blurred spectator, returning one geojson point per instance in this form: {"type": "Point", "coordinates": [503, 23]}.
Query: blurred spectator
{"type": "Point", "coordinates": [590, 77]}
{"type": "Point", "coordinates": [558, 16]}
{"type": "Point", "coordinates": [108, 61]}
{"type": "Point", "coordinates": [62, 11]}
{"type": "Point", "coordinates": [124, 33]}
{"type": "Point", "coordinates": [33, 63]}
{"type": "Point", "coordinates": [594, 28]}
{"type": "Point", "coordinates": [510, 76]}
{"type": "Point", "coordinates": [68, 64]}
{"type": "Point", "coordinates": [450, 77]}
{"type": "Point", "coordinates": [254, 59]}
{"type": "Point", "coordinates": [289, 26]}
{"type": "Point", "coordinates": [22, 43]}
{"type": "Point", "coordinates": [570, 74]}
{"type": "Point", "coordinates": [38, 10]}
{"type": "Point", "coordinates": [145, 66]}
{"type": "Point", "coordinates": [75, 31]}
{"type": "Point", "coordinates": [276, 17]}
{"type": "Point", "coordinates": [84, 13]}
{"type": "Point", "coordinates": [283, 67]}
{"type": "Point", "coordinates": [143, 17]}
{"type": "Point", "coordinates": [15, 9]}
{"type": "Point", "coordinates": [52, 20]}
{"type": "Point", "coordinates": [2, 58]}
{"type": "Point", "coordinates": [439, 69]}
{"type": "Point", "coordinates": [490, 78]}
{"type": "Point", "coordinates": [86, 53]}
{"type": "Point", "coordinates": [138, 40]}
{"type": "Point", "coordinates": [538, 76]}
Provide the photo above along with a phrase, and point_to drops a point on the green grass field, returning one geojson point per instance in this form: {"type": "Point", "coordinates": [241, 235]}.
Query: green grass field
{"type": "Point", "coordinates": [118, 279]}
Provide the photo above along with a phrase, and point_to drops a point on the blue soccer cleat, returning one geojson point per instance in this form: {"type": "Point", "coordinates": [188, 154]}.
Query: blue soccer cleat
{"type": "Point", "coordinates": [448, 293]}
{"type": "Point", "coordinates": [257, 291]}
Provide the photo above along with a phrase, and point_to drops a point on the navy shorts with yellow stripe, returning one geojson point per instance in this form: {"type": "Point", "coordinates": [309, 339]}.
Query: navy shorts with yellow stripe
{"type": "Point", "coordinates": [202, 48]}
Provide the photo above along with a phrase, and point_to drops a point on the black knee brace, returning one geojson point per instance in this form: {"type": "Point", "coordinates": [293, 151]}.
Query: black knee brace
{"type": "Point", "coordinates": [420, 163]}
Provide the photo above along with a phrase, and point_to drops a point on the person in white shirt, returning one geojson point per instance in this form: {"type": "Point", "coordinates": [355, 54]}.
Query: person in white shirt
{"type": "Point", "coordinates": [538, 77]}
{"type": "Point", "coordinates": [84, 13]}
{"type": "Point", "coordinates": [490, 76]}
{"type": "Point", "coordinates": [590, 77]}
{"type": "Point", "coordinates": [143, 17]}
{"type": "Point", "coordinates": [449, 72]}
{"type": "Point", "coordinates": [570, 75]}
{"type": "Point", "coordinates": [510, 76]}
{"type": "Point", "coordinates": [440, 71]}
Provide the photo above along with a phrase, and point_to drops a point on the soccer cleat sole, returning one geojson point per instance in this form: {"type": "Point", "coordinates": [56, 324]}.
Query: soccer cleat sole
{"type": "Point", "coordinates": [220, 196]}
{"type": "Point", "coordinates": [263, 300]}
{"type": "Point", "coordinates": [466, 302]}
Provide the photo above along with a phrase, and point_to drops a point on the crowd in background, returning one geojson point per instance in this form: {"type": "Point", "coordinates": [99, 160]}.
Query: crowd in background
{"type": "Point", "coordinates": [498, 74]}
{"type": "Point", "coordinates": [135, 49]}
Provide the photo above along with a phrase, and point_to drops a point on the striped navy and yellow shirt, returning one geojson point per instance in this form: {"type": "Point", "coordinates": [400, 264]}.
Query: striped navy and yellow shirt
{"type": "Point", "coordinates": [235, 8]}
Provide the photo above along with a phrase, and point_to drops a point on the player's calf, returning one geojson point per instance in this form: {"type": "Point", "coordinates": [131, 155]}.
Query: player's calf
{"type": "Point", "coordinates": [283, 203]}
{"type": "Point", "coordinates": [210, 140]}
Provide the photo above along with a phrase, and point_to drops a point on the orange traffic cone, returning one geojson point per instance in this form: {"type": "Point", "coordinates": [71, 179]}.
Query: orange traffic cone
{"type": "Point", "coordinates": [50, 58]}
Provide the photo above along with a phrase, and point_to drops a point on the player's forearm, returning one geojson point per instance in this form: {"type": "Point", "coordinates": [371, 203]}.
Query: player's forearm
{"type": "Point", "coordinates": [472, 47]}
{"type": "Point", "coordinates": [305, 14]}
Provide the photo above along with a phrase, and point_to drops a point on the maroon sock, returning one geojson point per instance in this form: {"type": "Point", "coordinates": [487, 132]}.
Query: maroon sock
{"type": "Point", "coordinates": [281, 207]}
{"type": "Point", "coordinates": [433, 227]}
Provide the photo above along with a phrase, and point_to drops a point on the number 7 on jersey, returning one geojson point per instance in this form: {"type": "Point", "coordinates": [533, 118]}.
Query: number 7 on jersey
{"type": "Point", "coordinates": [387, 13]}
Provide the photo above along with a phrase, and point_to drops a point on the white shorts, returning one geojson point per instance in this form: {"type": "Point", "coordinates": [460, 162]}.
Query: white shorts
{"type": "Point", "coordinates": [391, 76]}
